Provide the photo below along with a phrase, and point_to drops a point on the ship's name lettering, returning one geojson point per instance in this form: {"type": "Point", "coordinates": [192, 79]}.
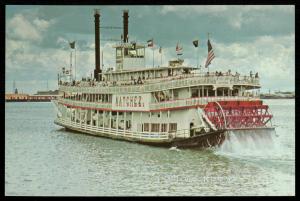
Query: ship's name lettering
{"type": "Point", "coordinates": [129, 101]}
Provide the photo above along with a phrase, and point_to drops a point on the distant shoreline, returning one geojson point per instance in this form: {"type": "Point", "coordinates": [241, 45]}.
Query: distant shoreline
{"type": "Point", "coordinates": [277, 97]}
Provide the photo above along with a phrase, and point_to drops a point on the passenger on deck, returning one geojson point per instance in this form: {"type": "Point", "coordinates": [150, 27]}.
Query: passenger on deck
{"type": "Point", "coordinates": [251, 73]}
{"type": "Point", "coordinates": [256, 75]}
{"type": "Point", "coordinates": [229, 72]}
{"type": "Point", "coordinates": [139, 80]}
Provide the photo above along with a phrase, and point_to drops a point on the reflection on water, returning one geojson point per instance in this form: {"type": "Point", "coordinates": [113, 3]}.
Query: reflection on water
{"type": "Point", "coordinates": [44, 159]}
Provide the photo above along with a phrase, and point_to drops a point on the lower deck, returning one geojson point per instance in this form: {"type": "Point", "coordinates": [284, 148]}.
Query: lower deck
{"type": "Point", "coordinates": [210, 139]}
{"type": "Point", "coordinates": [162, 124]}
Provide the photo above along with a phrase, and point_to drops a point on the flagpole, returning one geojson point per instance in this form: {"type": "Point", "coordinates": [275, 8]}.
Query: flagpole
{"type": "Point", "coordinates": [70, 66]}
{"type": "Point", "coordinates": [153, 54]}
{"type": "Point", "coordinates": [161, 58]}
{"type": "Point", "coordinates": [208, 64]}
{"type": "Point", "coordinates": [75, 65]}
{"type": "Point", "coordinates": [198, 57]}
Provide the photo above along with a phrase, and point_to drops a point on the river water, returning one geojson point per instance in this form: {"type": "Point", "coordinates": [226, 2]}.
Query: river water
{"type": "Point", "coordinates": [42, 159]}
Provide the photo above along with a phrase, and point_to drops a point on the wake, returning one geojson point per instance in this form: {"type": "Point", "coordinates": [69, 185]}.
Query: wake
{"type": "Point", "coordinates": [251, 144]}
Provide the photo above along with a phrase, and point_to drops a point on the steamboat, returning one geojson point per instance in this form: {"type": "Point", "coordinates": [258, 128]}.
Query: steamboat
{"type": "Point", "coordinates": [175, 105]}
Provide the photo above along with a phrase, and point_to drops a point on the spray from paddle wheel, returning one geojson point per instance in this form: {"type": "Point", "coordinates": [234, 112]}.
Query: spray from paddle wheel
{"type": "Point", "coordinates": [239, 115]}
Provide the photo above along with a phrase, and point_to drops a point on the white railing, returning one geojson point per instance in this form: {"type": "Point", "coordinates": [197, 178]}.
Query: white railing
{"type": "Point", "coordinates": [115, 132]}
{"type": "Point", "coordinates": [98, 105]}
{"type": "Point", "coordinates": [184, 133]}
{"type": "Point", "coordinates": [197, 101]}
{"type": "Point", "coordinates": [162, 105]}
{"type": "Point", "coordinates": [164, 84]}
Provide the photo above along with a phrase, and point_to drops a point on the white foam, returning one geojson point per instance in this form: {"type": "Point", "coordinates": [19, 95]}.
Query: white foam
{"type": "Point", "coordinates": [252, 144]}
{"type": "Point", "coordinates": [174, 149]}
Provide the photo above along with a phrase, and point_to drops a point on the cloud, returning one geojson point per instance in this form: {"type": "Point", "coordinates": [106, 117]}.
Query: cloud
{"type": "Point", "coordinates": [235, 15]}
{"type": "Point", "coordinates": [272, 56]}
{"type": "Point", "coordinates": [21, 28]}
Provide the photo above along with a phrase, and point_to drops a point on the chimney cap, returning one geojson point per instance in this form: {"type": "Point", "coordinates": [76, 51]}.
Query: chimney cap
{"type": "Point", "coordinates": [125, 11]}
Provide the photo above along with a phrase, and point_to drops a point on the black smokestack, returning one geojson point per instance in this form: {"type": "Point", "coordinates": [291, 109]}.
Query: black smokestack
{"type": "Point", "coordinates": [97, 71]}
{"type": "Point", "coordinates": [125, 26]}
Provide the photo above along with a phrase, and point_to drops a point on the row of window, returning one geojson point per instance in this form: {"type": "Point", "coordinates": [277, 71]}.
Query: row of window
{"type": "Point", "coordinates": [104, 98]}
{"type": "Point", "coordinates": [154, 127]}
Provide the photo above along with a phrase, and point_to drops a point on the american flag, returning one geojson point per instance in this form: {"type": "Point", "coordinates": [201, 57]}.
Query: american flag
{"type": "Point", "coordinates": [210, 55]}
{"type": "Point", "coordinates": [178, 48]}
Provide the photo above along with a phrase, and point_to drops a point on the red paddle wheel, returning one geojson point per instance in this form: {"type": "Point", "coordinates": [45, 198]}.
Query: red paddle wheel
{"type": "Point", "coordinates": [232, 115]}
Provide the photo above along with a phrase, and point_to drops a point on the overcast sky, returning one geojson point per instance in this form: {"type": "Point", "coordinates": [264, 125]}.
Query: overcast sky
{"type": "Point", "coordinates": [244, 38]}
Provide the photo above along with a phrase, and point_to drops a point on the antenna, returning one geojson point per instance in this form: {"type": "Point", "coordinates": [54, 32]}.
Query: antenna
{"type": "Point", "coordinates": [47, 85]}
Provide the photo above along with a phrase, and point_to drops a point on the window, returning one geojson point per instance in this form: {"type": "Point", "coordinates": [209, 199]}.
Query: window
{"type": "Point", "coordinates": [175, 93]}
{"type": "Point", "coordinates": [154, 127]}
{"type": "Point", "coordinates": [173, 127]}
{"type": "Point", "coordinates": [119, 52]}
{"type": "Point", "coordinates": [194, 93]}
{"type": "Point", "coordinates": [128, 124]}
{"type": "Point", "coordinates": [146, 127]}
{"type": "Point", "coordinates": [163, 128]}
{"type": "Point", "coordinates": [211, 93]}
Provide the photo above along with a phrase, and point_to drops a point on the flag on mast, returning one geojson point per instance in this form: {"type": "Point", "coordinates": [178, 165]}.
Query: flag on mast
{"type": "Point", "coordinates": [72, 44]}
{"type": "Point", "coordinates": [210, 55]}
{"type": "Point", "coordinates": [133, 45]}
{"type": "Point", "coordinates": [195, 43]}
{"type": "Point", "coordinates": [150, 43]}
{"type": "Point", "coordinates": [178, 49]}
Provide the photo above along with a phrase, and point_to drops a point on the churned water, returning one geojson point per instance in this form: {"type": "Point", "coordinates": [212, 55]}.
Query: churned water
{"type": "Point", "coordinates": [41, 158]}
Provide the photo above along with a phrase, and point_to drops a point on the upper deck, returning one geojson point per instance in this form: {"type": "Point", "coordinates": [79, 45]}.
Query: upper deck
{"type": "Point", "coordinates": [161, 83]}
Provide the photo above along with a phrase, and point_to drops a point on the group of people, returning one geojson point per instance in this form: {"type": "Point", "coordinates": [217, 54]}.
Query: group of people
{"type": "Point", "coordinates": [251, 74]}
{"type": "Point", "coordinates": [227, 73]}
{"type": "Point", "coordinates": [138, 81]}
{"type": "Point", "coordinates": [219, 73]}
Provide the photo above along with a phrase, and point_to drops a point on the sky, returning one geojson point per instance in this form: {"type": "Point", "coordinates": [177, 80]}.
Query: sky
{"type": "Point", "coordinates": [257, 38]}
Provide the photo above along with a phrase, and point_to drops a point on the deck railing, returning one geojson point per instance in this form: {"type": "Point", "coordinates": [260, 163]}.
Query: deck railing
{"type": "Point", "coordinates": [163, 84]}
{"type": "Point", "coordinates": [197, 101]}
{"type": "Point", "coordinates": [76, 103]}
{"type": "Point", "coordinates": [161, 105]}
{"type": "Point", "coordinates": [115, 132]}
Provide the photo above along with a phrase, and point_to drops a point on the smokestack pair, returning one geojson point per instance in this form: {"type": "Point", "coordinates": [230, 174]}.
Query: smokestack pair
{"type": "Point", "coordinates": [97, 71]}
